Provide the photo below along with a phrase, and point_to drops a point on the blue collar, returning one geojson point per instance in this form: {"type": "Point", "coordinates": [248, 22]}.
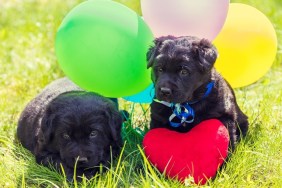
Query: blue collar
{"type": "Point", "coordinates": [184, 113]}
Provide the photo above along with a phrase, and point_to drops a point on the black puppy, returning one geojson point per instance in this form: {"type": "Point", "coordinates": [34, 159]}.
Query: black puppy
{"type": "Point", "coordinates": [188, 88]}
{"type": "Point", "coordinates": [65, 125]}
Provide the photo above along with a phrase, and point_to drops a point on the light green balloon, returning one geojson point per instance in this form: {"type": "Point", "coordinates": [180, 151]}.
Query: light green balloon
{"type": "Point", "coordinates": [101, 45]}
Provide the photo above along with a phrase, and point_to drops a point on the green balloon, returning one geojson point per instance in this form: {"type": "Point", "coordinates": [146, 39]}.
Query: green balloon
{"type": "Point", "coordinates": [101, 46]}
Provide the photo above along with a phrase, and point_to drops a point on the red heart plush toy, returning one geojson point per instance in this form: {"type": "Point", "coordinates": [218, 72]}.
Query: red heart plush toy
{"type": "Point", "coordinates": [197, 153]}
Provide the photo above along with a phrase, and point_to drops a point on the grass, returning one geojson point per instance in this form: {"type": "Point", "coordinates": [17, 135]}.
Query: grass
{"type": "Point", "coordinates": [28, 63]}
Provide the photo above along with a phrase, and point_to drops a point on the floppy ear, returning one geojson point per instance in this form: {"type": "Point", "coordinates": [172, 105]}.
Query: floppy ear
{"type": "Point", "coordinates": [115, 123]}
{"type": "Point", "coordinates": [153, 51]}
{"type": "Point", "coordinates": [46, 130]}
{"type": "Point", "coordinates": [44, 133]}
{"type": "Point", "coordinates": [151, 54]}
{"type": "Point", "coordinates": [206, 53]}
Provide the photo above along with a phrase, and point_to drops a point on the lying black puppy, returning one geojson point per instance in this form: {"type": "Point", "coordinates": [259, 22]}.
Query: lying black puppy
{"type": "Point", "coordinates": [188, 88]}
{"type": "Point", "coordinates": [65, 125]}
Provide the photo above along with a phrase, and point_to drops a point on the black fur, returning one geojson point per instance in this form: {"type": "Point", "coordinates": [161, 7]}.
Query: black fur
{"type": "Point", "coordinates": [65, 124]}
{"type": "Point", "coordinates": [181, 69]}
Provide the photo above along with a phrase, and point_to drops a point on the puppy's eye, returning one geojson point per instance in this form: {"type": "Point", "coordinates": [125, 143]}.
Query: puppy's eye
{"type": "Point", "coordinates": [160, 69]}
{"type": "Point", "coordinates": [184, 72]}
{"type": "Point", "coordinates": [66, 136]}
{"type": "Point", "coordinates": [93, 134]}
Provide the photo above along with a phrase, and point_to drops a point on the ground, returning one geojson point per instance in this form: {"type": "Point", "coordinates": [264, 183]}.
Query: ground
{"type": "Point", "coordinates": [28, 63]}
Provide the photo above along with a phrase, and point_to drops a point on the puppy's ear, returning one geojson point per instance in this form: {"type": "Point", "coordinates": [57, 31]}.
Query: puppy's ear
{"type": "Point", "coordinates": [41, 142]}
{"type": "Point", "coordinates": [115, 123]}
{"type": "Point", "coordinates": [206, 53]}
{"type": "Point", "coordinates": [153, 51]}
{"type": "Point", "coordinates": [46, 131]}
{"type": "Point", "coordinates": [151, 54]}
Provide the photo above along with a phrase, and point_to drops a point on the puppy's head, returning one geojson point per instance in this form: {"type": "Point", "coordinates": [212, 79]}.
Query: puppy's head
{"type": "Point", "coordinates": [180, 65]}
{"type": "Point", "coordinates": [82, 126]}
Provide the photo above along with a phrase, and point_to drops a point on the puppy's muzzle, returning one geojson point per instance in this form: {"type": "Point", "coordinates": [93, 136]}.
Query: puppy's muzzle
{"type": "Point", "coordinates": [81, 161]}
{"type": "Point", "coordinates": [166, 92]}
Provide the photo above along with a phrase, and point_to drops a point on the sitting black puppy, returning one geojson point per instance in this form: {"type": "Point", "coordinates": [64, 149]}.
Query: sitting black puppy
{"type": "Point", "coordinates": [66, 125]}
{"type": "Point", "coordinates": [188, 88]}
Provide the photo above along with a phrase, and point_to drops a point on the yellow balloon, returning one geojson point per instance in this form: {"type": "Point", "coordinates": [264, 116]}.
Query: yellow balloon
{"type": "Point", "coordinates": [133, 4]}
{"type": "Point", "coordinates": [247, 45]}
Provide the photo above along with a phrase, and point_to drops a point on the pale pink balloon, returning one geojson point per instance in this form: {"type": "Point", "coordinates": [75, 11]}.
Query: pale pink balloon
{"type": "Point", "coordinates": [201, 18]}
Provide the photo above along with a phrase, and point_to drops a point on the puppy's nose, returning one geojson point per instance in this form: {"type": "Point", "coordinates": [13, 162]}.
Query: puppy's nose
{"type": "Point", "coordinates": [82, 160]}
{"type": "Point", "coordinates": [165, 91]}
